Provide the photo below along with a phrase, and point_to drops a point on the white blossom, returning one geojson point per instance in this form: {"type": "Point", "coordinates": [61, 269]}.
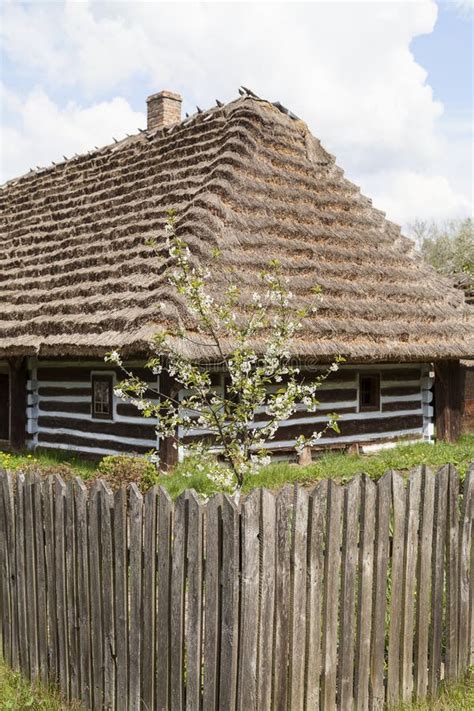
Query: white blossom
{"type": "Point", "coordinates": [261, 380]}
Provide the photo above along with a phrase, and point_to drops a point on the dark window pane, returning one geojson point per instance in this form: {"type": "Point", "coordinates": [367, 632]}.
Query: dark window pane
{"type": "Point", "coordinates": [102, 394]}
{"type": "Point", "coordinates": [369, 392]}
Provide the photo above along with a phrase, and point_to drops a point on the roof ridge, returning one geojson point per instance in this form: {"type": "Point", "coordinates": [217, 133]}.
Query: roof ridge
{"type": "Point", "coordinates": [147, 134]}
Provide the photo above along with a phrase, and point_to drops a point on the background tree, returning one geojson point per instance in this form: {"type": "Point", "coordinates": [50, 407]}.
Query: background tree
{"type": "Point", "coordinates": [251, 350]}
{"type": "Point", "coordinates": [447, 246]}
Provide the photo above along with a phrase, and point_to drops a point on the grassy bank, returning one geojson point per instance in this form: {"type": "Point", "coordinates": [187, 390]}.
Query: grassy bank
{"type": "Point", "coordinates": [45, 461]}
{"type": "Point", "coordinates": [17, 694]}
{"type": "Point", "coordinates": [453, 697]}
{"type": "Point", "coordinates": [341, 467]}
{"type": "Point", "coordinates": [192, 475]}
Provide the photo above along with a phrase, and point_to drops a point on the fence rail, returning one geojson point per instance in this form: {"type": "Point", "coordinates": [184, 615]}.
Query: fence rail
{"type": "Point", "coordinates": [346, 597]}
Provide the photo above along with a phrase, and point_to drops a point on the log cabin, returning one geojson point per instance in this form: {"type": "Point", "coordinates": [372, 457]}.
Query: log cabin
{"type": "Point", "coordinates": [78, 280]}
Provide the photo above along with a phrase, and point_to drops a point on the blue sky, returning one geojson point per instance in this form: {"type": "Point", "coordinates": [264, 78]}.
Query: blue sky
{"type": "Point", "coordinates": [386, 85]}
{"type": "Point", "coordinates": [447, 55]}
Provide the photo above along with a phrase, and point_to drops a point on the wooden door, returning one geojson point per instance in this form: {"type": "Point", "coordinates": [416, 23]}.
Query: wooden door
{"type": "Point", "coordinates": [4, 407]}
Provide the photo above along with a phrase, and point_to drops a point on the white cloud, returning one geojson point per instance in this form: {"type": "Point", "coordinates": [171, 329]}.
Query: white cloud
{"type": "Point", "coordinates": [43, 132]}
{"type": "Point", "coordinates": [345, 67]}
{"type": "Point", "coordinates": [464, 7]}
{"type": "Point", "coordinates": [406, 195]}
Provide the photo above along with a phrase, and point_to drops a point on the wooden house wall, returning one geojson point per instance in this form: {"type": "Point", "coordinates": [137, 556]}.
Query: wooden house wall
{"type": "Point", "coordinates": [467, 384]}
{"type": "Point", "coordinates": [59, 405]}
{"type": "Point", "coordinates": [406, 412]}
{"type": "Point", "coordinates": [59, 411]}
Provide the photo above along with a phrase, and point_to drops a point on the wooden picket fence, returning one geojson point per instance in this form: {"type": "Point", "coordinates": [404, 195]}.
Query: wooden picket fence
{"type": "Point", "coordinates": [342, 597]}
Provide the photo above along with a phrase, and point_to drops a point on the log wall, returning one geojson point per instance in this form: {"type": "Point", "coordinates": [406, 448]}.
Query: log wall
{"type": "Point", "coordinates": [405, 411]}
{"type": "Point", "coordinates": [59, 402]}
{"type": "Point", "coordinates": [59, 411]}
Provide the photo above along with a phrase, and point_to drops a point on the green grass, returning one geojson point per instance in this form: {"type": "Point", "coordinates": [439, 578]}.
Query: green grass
{"type": "Point", "coordinates": [453, 697]}
{"type": "Point", "coordinates": [191, 473]}
{"type": "Point", "coordinates": [47, 460]}
{"type": "Point", "coordinates": [339, 466]}
{"type": "Point", "coordinates": [17, 694]}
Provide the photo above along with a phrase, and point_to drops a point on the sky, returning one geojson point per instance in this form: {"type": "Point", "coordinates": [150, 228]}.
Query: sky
{"type": "Point", "coordinates": [386, 85]}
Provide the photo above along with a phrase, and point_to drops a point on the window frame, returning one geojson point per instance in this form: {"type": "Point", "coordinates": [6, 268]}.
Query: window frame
{"type": "Point", "coordinates": [374, 377]}
{"type": "Point", "coordinates": [110, 378]}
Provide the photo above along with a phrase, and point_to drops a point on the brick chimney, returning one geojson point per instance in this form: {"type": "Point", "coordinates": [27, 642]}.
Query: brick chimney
{"type": "Point", "coordinates": [163, 109]}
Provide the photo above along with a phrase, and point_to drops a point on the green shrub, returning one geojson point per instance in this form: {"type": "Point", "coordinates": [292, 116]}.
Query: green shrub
{"type": "Point", "coordinates": [123, 469]}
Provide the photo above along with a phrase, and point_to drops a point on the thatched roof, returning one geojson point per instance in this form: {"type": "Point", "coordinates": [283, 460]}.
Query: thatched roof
{"type": "Point", "coordinates": [77, 279]}
{"type": "Point", "coordinates": [466, 283]}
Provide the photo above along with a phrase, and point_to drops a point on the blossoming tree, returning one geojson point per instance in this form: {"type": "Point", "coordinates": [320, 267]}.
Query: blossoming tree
{"type": "Point", "coordinates": [252, 353]}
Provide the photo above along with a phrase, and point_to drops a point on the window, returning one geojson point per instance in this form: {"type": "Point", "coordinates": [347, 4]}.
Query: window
{"type": "Point", "coordinates": [369, 392]}
{"type": "Point", "coordinates": [102, 397]}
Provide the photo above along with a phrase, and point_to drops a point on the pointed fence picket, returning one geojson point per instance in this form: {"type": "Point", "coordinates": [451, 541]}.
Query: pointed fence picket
{"type": "Point", "coordinates": [339, 597]}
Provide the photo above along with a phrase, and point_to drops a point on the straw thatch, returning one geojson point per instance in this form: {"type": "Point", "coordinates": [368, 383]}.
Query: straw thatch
{"type": "Point", "coordinates": [77, 279]}
{"type": "Point", "coordinates": [466, 283]}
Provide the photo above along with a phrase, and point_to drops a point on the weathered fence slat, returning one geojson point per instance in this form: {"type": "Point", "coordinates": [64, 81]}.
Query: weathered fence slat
{"type": "Point", "coordinates": [21, 575]}
{"type": "Point", "coordinates": [345, 597]}
{"type": "Point", "coordinates": [249, 604]}
{"type": "Point", "coordinates": [316, 518]}
{"type": "Point", "coordinates": [424, 584]}
{"type": "Point", "coordinates": [465, 580]}
{"type": "Point", "coordinates": [348, 587]}
{"type": "Point", "coordinates": [471, 590]}
{"type": "Point", "coordinates": [71, 591]}
{"type": "Point", "coordinates": [49, 537]}
{"type": "Point", "coordinates": [61, 599]}
{"type": "Point", "coordinates": [212, 603]}
{"type": "Point", "coordinates": [267, 591]}
{"type": "Point", "coordinates": [437, 585]}
{"type": "Point", "coordinates": [365, 599]}
{"type": "Point", "coordinates": [193, 611]}
{"type": "Point", "coordinates": [30, 576]}
{"type": "Point", "coordinates": [41, 580]}
{"type": "Point", "coordinates": [95, 556]}
{"type": "Point", "coordinates": [381, 560]}
{"type": "Point", "coordinates": [396, 601]}
{"type": "Point", "coordinates": [135, 509]}
{"type": "Point", "coordinates": [164, 531]}
{"type": "Point", "coordinates": [5, 622]}
{"type": "Point", "coordinates": [107, 592]}
{"type": "Point", "coordinates": [178, 582]}
{"type": "Point", "coordinates": [121, 593]}
{"type": "Point", "coordinates": [149, 597]}
{"type": "Point", "coordinates": [230, 604]}
{"type": "Point", "coordinates": [7, 542]}
{"type": "Point", "coordinates": [452, 575]}
{"type": "Point", "coordinates": [409, 582]}
{"type": "Point", "coordinates": [83, 612]}
{"type": "Point", "coordinates": [332, 575]}
{"type": "Point", "coordinates": [298, 599]}
{"type": "Point", "coordinates": [284, 506]}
